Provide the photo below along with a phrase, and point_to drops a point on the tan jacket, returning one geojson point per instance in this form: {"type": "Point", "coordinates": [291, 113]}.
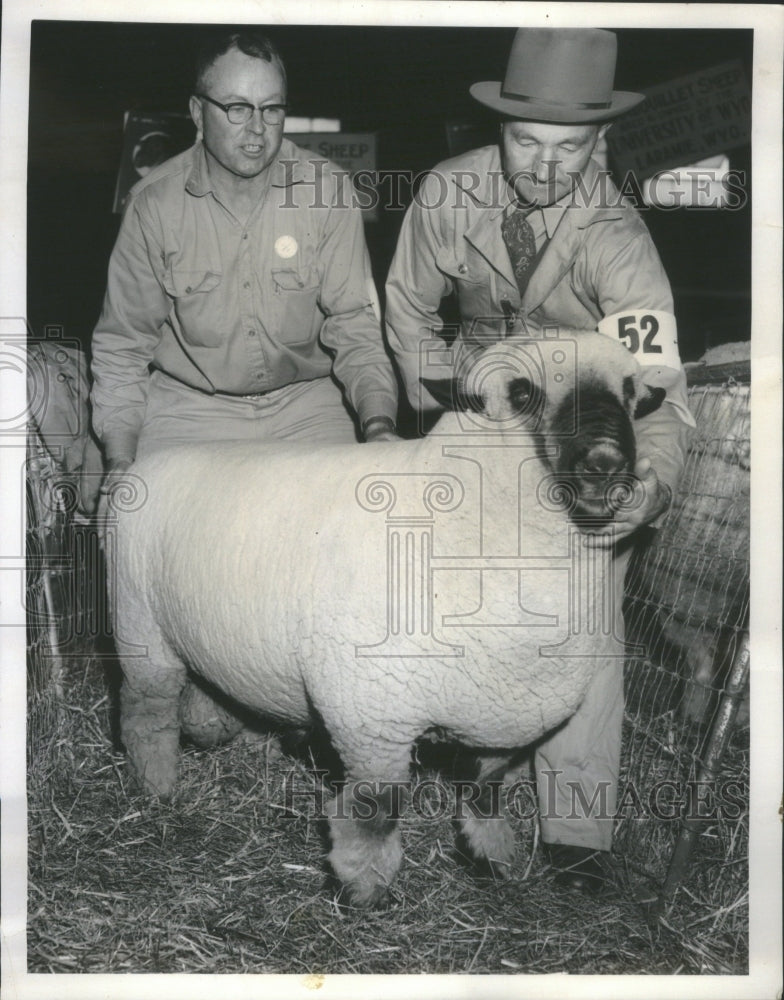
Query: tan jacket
{"type": "Point", "coordinates": [600, 260]}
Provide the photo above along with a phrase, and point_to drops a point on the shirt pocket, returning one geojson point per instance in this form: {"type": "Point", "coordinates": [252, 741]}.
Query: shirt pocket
{"type": "Point", "coordinates": [296, 297]}
{"type": "Point", "coordinates": [198, 305]}
{"type": "Point", "coordinates": [475, 288]}
{"type": "Point", "coordinates": [458, 269]}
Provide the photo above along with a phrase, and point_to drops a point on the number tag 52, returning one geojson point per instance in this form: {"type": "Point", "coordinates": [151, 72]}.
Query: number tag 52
{"type": "Point", "coordinates": [649, 334]}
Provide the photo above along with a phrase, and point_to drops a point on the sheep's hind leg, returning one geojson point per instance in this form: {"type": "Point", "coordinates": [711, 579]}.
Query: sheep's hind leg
{"type": "Point", "coordinates": [149, 715]}
{"type": "Point", "coordinates": [485, 834]}
{"type": "Point", "coordinates": [206, 720]}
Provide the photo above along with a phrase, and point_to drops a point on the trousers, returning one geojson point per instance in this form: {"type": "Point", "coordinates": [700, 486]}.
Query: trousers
{"type": "Point", "coordinates": [178, 414]}
{"type": "Point", "coordinates": [578, 766]}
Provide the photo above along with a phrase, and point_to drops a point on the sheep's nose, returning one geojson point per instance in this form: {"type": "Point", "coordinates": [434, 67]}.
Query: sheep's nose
{"type": "Point", "coordinates": [601, 482]}
{"type": "Point", "coordinates": [603, 460]}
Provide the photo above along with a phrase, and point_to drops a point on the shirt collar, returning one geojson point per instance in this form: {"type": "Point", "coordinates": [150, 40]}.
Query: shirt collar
{"type": "Point", "coordinates": [279, 173]}
{"type": "Point", "coordinates": [198, 182]}
{"type": "Point", "coordinates": [550, 215]}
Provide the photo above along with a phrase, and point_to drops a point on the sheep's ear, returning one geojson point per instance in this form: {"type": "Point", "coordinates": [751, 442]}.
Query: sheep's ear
{"type": "Point", "coordinates": [452, 394]}
{"type": "Point", "coordinates": [650, 402]}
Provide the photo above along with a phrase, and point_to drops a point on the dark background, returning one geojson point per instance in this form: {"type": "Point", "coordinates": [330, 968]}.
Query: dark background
{"type": "Point", "coordinates": [405, 84]}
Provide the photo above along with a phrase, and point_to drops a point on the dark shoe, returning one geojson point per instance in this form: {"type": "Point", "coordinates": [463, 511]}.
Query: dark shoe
{"type": "Point", "coordinates": [579, 868]}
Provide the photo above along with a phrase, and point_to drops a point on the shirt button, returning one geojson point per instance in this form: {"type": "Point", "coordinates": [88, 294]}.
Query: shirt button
{"type": "Point", "coordinates": [246, 284]}
{"type": "Point", "coordinates": [244, 236]}
{"type": "Point", "coordinates": [251, 333]}
{"type": "Point", "coordinates": [462, 268]}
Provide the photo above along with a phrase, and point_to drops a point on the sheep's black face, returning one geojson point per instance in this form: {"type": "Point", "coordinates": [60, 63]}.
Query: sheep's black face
{"type": "Point", "coordinates": [597, 454]}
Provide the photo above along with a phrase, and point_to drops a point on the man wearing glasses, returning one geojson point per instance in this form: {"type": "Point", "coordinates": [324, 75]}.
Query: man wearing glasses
{"type": "Point", "coordinates": [240, 302]}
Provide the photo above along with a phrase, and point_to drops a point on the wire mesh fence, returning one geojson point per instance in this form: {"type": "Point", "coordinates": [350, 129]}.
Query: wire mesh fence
{"type": "Point", "coordinates": [47, 590]}
{"type": "Point", "coordinates": [64, 585]}
{"type": "Point", "coordinates": [685, 758]}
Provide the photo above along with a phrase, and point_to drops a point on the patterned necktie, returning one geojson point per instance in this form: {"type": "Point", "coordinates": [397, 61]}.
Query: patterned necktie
{"type": "Point", "coordinates": [521, 244]}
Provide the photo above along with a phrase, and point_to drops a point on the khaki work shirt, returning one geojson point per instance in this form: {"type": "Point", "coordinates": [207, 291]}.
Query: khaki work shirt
{"type": "Point", "coordinates": [232, 307]}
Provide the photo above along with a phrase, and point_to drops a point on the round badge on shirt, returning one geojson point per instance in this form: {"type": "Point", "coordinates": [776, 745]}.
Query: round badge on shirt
{"type": "Point", "coordinates": [286, 246]}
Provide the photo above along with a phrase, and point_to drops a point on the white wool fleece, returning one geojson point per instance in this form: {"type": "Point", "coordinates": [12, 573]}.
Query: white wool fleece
{"type": "Point", "coordinates": [271, 569]}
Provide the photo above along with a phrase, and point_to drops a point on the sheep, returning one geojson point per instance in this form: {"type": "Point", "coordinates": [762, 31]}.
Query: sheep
{"type": "Point", "coordinates": [263, 569]}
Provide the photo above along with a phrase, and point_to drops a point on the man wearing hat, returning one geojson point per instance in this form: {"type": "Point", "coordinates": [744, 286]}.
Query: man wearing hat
{"type": "Point", "coordinates": [531, 234]}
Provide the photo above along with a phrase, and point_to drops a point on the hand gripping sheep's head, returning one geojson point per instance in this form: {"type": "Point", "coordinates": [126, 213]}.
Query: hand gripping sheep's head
{"type": "Point", "coordinates": [578, 393]}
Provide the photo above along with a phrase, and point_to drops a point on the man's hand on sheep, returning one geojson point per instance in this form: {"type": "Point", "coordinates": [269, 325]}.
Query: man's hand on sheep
{"type": "Point", "coordinates": [90, 474]}
{"type": "Point", "coordinates": [380, 429]}
{"type": "Point", "coordinates": [649, 499]}
{"type": "Point", "coordinates": [115, 470]}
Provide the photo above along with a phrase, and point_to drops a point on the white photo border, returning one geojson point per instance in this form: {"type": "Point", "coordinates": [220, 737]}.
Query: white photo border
{"type": "Point", "coordinates": [767, 21]}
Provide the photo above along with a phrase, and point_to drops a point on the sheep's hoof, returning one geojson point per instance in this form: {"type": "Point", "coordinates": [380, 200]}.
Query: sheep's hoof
{"type": "Point", "coordinates": [363, 897]}
{"type": "Point", "coordinates": [489, 845]}
{"type": "Point", "coordinates": [157, 793]}
{"type": "Point", "coordinates": [156, 781]}
{"type": "Point", "coordinates": [489, 868]}
{"type": "Point", "coordinates": [479, 866]}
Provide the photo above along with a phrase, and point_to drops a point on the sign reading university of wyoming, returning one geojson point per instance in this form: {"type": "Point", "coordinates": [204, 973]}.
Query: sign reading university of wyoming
{"type": "Point", "coordinates": [683, 121]}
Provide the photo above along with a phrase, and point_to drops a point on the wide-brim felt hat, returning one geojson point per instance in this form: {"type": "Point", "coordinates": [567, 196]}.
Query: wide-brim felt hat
{"type": "Point", "coordinates": [559, 75]}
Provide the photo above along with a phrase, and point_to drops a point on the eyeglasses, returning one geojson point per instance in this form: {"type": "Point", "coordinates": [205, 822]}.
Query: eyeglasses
{"type": "Point", "coordinates": [240, 113]}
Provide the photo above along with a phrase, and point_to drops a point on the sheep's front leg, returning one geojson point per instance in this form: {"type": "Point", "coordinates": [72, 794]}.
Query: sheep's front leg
{"type": "Point", "coordinates": [366, 849]}
{"type": "Point", "coordinates": [149, 717]}
{"type": "Point", "coordinates": [363, 819]}
{"type": "Point", "coordinates": [485, 832]}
